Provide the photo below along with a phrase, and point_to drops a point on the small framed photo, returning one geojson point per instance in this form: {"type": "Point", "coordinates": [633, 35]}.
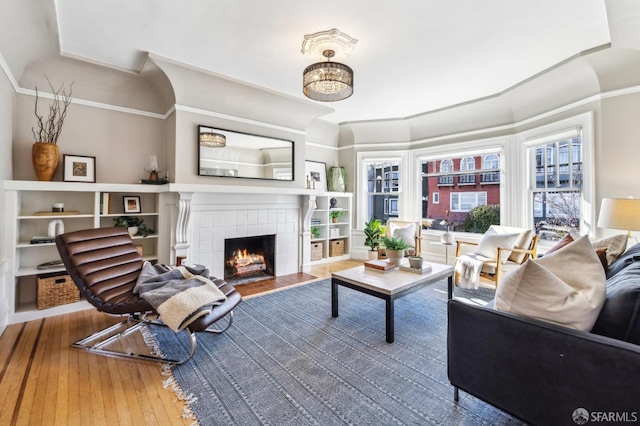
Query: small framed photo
{"type": "Point", "coordinates": [132, 204]}
{"type": "Point", "coordinates": [316, 175]}
{"type": "Point", "coordinates": [78, 168]}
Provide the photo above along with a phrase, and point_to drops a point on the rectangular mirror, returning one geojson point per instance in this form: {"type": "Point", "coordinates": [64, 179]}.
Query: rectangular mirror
{"type": "Point", "coordinates": [234, 154]}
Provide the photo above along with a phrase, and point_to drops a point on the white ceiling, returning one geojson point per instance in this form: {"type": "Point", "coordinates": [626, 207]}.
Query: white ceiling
{"type": "Point", "coordinates": [412, 56]}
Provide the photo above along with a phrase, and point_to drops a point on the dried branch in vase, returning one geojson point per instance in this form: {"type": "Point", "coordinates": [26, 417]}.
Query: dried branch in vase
{"type": "Point", "coordinates": [49, 131]}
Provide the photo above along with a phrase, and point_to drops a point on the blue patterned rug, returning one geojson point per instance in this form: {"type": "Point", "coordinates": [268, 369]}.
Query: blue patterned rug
{"type": "Point", "coordinates": [286, 361]}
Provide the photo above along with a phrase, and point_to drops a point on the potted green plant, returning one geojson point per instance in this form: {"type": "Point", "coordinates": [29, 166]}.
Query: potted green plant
{"type": "Point", "coordinates": [315, 231]}
{"type": "Point", "coordinates": [395, 247]}
{"type": "Point", "coordinates": [135, 225]}
{"type": "Point", "coordinates": [373, 231]}
{"type": "Point", "coordinates": [335, 214]}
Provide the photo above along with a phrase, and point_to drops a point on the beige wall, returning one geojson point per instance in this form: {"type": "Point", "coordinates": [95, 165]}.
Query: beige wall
{"type": "Point", "coordinates": [120, 141]}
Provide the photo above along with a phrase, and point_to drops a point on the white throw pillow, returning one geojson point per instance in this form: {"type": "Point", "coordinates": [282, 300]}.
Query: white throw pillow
{"type": "Point", "coordinates": [491, 241]}
{"type": "Point", "coordinates": [407, 233]}
{"type": "Point", "coordinates": [615, 245]}
{"type": "Point", "coordinates": [566, 287]}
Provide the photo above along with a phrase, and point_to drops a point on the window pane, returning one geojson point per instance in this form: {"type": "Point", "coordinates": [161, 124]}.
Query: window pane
{"type": "Point", "coordinates": [461, 186]}
{"type": "Point", "coordinates": [556, 213]}
{"type": "Point", "coordinates": [382, 187]}
{"type": "Point", "coordinates": [557, 188]}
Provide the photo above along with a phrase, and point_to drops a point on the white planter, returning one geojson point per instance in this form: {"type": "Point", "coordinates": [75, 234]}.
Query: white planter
{"type": "Point", "coordinates": [373, 254]}
{"type": "Point", "coordinates": [133, 230]}
{"type": "Point", "coordinates": [395, 256]}
{"type": "Point", "coordinates": [446, 238]}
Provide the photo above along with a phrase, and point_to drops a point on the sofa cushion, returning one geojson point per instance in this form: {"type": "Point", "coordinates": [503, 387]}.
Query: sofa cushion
{"type": "Point", "coordinates": [490, 242]}
{"type": "Point", "coordinates": [620, 315]}
{"type": "Point", "coordinates": [407, 233]}
{"type": "Point", "coordinates": [615, 245]}
{"type": "Point", "coordinates": [626, 259]}
{"type": "Point", "coordinates": [566, 287]}
{"type": "Point", "coordinates": [563, 242]}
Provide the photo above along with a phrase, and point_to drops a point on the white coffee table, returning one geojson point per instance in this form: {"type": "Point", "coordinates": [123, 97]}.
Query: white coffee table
{"type": "Point", "coordinates": [387, 285]}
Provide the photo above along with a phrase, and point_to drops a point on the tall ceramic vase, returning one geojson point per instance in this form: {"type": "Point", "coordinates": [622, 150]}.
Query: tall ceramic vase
{"type": "Point", "coordinates": [45, 160]}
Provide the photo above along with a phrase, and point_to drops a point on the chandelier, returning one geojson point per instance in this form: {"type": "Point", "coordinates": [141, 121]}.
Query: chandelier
{"type": "Point", "coordinates": [213, 140]}
{"type": "Point", "coordinates": [328, 81]}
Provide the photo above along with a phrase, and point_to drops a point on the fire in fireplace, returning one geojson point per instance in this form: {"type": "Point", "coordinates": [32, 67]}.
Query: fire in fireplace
{"type": "Point", "coordinates": [249, 259]}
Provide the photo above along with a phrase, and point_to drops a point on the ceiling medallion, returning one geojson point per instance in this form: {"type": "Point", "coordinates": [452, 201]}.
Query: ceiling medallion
{"type": "Point", "coordinates": [328, 81]}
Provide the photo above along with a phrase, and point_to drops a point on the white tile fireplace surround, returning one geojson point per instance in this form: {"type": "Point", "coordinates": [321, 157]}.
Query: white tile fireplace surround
{"type": "Point", "coordinates": [215, 217]}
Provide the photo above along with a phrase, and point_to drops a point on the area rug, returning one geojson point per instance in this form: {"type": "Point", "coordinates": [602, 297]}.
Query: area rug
{"type": "Point", "coordinates": [286, 361]}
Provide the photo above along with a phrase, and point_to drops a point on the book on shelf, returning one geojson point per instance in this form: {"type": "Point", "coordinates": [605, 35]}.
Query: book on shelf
{"type": "Point", "coordinates": [379, 265]}
{"type": "Point", "coordinates": [42, 240]}
{"type": "Point", "coordinates": [105, 203]}
{"type": "Point", "coordinates": [426, 268]}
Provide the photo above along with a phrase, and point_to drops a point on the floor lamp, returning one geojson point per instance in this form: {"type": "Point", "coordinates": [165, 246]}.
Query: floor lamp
{"type": "Point", "coordinates": [620, 213]}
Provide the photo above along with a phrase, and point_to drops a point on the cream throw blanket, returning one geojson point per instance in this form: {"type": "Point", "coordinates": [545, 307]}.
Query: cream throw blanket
{"type": "Point", "coordinates": [468, 267]}
{"type": "Point", "coordinates": [179, 294]}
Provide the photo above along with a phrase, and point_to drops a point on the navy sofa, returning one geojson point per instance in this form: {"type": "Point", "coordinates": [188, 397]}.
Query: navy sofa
{"type": "Point", "coordinates": [542, 373]}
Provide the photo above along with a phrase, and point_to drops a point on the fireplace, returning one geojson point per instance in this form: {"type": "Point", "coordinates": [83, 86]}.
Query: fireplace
{"type": "Point", "coordinates": [249, 259]}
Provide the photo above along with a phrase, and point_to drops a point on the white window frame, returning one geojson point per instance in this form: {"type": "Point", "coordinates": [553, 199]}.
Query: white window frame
{"type": "Point", "coordinates": [550, 133]}
{"type": "Point", "coordinates": [362, 157]}
{"type": "Point", "coordinates": [436, 198]}
{"type": "Point", "coordinates": [460, 194]}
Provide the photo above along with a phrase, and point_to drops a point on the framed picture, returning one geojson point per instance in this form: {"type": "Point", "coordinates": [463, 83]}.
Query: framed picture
{"type": "Point", "coordinates": [132, 204]}
{"type": "Point", "coordinates": [316, 175]}
{"type": "Point", "coordinates": [78, 168]}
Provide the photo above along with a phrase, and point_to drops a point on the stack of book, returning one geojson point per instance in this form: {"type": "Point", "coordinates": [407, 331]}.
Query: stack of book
{"type": "Point", "coordinates": [379, 265]}
{"type": "Point", "coordinates": [426, 268]}
{"type": "Point", "coordinates": [315, 221]}
{"type": "Point", "coordinates": [105, 203]}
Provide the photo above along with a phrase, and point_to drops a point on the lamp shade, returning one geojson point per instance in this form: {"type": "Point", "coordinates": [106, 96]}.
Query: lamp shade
{"type": "Point", "coordinates": [620, 213]}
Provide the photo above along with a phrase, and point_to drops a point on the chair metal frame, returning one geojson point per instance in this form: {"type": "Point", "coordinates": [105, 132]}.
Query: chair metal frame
{"type": "Point", "coordinates": [137, 322]}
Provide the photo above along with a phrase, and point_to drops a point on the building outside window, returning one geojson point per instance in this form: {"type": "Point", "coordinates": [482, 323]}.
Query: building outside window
{"type": "Point", "coordinates": [383, 189]}
{"type": "Point", "coordinates": [557, 187]}
{"type": "Point", "coordinates": [458, 185]}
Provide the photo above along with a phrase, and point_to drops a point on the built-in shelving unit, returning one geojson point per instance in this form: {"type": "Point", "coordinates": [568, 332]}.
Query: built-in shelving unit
{"type": "Point", "coordinates": [27, 212]}
{"type": "Point", "coordinates": [332, 232]}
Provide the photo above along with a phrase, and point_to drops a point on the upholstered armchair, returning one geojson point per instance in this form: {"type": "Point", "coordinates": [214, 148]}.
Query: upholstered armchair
{"type": "Point", "coordinates": [501, 249]}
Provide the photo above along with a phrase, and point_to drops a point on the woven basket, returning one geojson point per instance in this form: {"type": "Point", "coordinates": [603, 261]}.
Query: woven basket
{"type": "Point", "coordinates": [54, 290]}
{"type": "Point", "coordinates": [336, 248]}
{"type": "Point", "coordinates": [316, 251]}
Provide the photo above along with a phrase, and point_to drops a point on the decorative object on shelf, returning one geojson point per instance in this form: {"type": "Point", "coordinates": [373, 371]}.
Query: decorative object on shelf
{"type": "Point", "coordinates": [315, 231]}
{"type": "Point", "coordinates": [45, 152]}
{"type": "Point", "coordinates": [394, 248]}
{"type": "Point", "coordinates": [79, 168]}
{"type": "Point", "coordinates": [336, 248]}
{"type": "Point", "coordinates": [337, 179]}
{"type": "Point", "coordinates": [333, 203]}
{"type": "Point", "coordinates": [447, 238]}
{"type": "Point", "coordinates": [316, 250]}
{"type": "Point", "coordinates": [153, 167]}
{"type": "Point", "coordinates": [56, 227]}
{"type": "Point", "coordinates": [57, 207]}
{"type": "Point", "coordinates": [335, 214]}
{"type": "Point", "coordinates": [328, 81]}
{"type": "Point", "coordinates": [131, 204]}
{"type": "Point", "coordinates": [133, 222]}
{"type": "Point", "coordinates": [316, 173]}
{"type": "Point", "coordinates": [373, 231]}
{"type": "Point", "coordinates": [44, 156]}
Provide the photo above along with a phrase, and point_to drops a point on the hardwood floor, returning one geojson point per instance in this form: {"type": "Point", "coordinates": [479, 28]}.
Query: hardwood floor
{"type": "Point", "coordinates": [44, 381]}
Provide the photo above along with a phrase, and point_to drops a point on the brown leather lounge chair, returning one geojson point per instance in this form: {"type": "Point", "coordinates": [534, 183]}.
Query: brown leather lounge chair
{"type": "Point", "coordinates": [105, 265]}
